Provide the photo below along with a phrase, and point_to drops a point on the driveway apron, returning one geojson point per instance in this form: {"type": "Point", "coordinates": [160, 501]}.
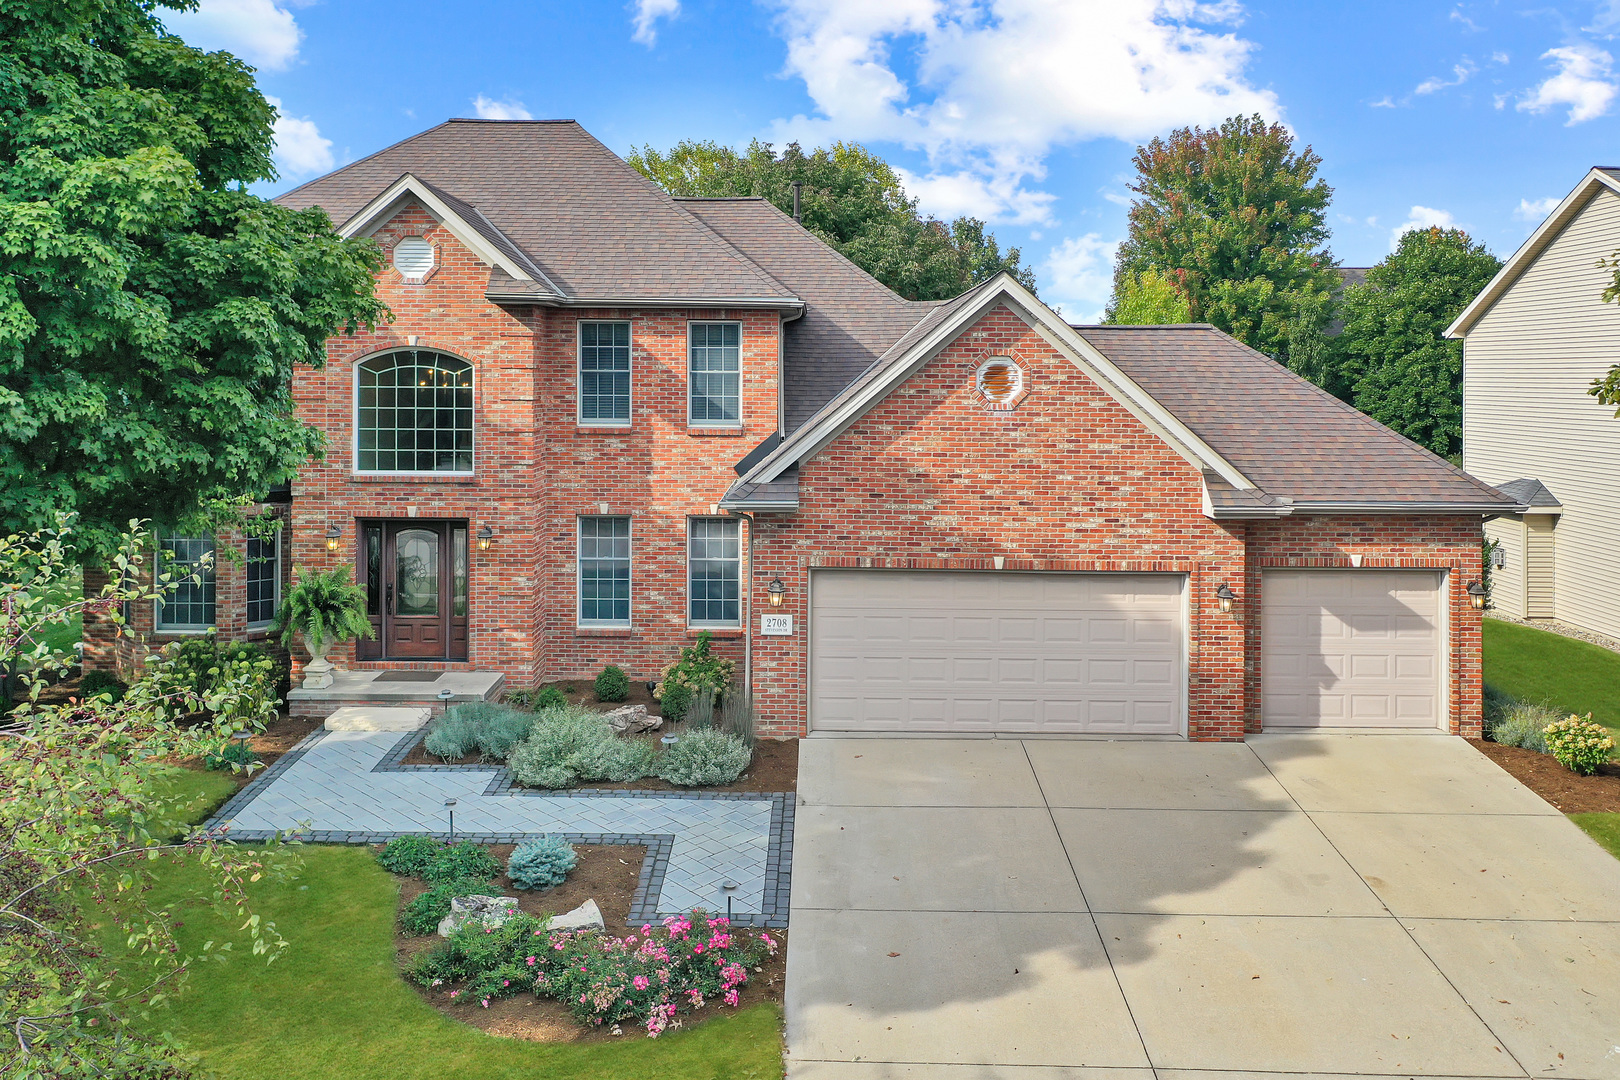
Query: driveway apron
{"type": "Point", "coordinates": [1299, 905]}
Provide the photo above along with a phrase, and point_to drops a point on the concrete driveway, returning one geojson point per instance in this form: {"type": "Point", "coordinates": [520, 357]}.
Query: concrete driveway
{"type": "Point", "coordinates": [1305, 905]}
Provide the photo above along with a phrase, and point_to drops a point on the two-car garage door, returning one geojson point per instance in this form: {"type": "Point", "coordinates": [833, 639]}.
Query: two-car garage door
{"type": "Point", "coordinates": [1012, 653]}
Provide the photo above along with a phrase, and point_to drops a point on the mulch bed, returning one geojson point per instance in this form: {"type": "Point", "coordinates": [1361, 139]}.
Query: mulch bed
{"type": "Point", "coordinates": [607, 874]}
{"type": "Point", "coordinates": [1568, 792]}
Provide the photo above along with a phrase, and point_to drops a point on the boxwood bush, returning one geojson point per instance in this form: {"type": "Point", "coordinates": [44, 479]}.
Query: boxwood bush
{"type": "Point", "coordinates": [613, 684]}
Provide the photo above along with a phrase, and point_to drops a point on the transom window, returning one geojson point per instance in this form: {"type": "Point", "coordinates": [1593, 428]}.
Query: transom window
{"type": "Point", "coordinates": [415, 413]}
{"type": "Point", "coordinates": [604, 372]}
{"type": "Point", "coordinates": [714, 374]}
{"type": "Point", "coordinates": [263, 579]}
{"type": "Point", "coordinates": [188, 602]}
{"type": "Point", "coordinates": [713, 572]}
{"type": "Point", "coordinates": [604, 571]}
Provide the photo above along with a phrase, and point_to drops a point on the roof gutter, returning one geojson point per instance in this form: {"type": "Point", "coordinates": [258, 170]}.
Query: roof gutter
{"type": "Point", "coordinates": [1407, 507]}
{"type": "Point", "coordinates": [776, 303]}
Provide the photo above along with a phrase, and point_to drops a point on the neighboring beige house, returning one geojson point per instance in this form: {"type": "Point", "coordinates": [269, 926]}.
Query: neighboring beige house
{"type": "Point", "coordinates": [1533, 341]}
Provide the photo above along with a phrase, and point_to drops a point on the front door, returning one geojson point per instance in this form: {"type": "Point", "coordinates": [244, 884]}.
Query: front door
{"type": "Point", "coordinates": [416, 588]}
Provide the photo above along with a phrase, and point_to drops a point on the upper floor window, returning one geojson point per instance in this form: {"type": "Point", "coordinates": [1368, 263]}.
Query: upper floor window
{"type": "Point", "coordinates": [187, 604]}
{"type": "Point", "coordinates": [263, 579]}
{"type": "Point", "coordinates": [714, 375]}
{"type": "Point", "coordinates": [604, 372]}
{"type": "Point", "coordinates": [415, 413]}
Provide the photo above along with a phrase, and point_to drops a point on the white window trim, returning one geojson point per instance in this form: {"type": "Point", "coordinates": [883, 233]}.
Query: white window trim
{"type": "Point", "coordinates": [354, 418]}
{"type": "Point", "coordinates": [710, 624]}
{"type": "Point", "coordinates": [701, 424]}
{"type": "Point", "coordinates": [275, 604]}
{"type": "Point", "coordinates": [579, 379]}
{"type": "Point", "coordinates": [157, 602]}
{"type": "Point", "coordinates": [579, 576]}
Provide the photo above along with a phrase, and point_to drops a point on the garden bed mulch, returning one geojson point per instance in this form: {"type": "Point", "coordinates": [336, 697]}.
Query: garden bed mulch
{"type": "Point", "coordinates": [607, 874]}
{"type": "Point", "coordinates": [1568, 792]}
{"type": "Point", "coordinates": [278, 737]}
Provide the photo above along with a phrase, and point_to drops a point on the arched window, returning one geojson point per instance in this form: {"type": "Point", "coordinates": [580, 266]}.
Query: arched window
{"type": "Point", "coordinates": [415, 413]}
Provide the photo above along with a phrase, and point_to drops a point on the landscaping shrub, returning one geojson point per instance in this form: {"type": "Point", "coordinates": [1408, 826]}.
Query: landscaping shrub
{"type": "Point", "coordinates": [613, 684]}
{"type": "Point", "coordinates": [737, 718]}
{"type": "Point", "coordinates": [496, 962]}
{"type": "Point", "coordinates": [193, 673]}
{"type": "Point", "coordinates": [541, 864]}
{"type": "Point", "coordinates": [574, 744]}
{"type": "Point", "coordinates": [491, 729]}
{"type": "Point", "coordinates": [1521, 723]}
{"type": "Point", "coordinates": [697, 667]}
{"type": "Point", "coordinates": [424, 914]}
{"type": "Point", "coordinates": [450, 736]}
{"type": "Point", "coordinates": [700, 713]}
{"type": "Point", "coordinates": [409, 855]}
{"type": "Point", "coordinates": [97, 682]}
{"type": "Point", "coordinates": [231, 755]}
{"type": "Point", "coordinates": [463, 860]}
{"type": "Point", "coordinates": [674, 699]}
{"type": "Point", "coordinates": [547, 697]}
{"type": "Point", "coordinates": [704, 758]}
{"type": "Point", "coordinates": [1579, 744]}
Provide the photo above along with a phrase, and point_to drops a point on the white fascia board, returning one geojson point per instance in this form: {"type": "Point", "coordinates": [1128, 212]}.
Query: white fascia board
{"type": "Point", "coordinates": [374, 214]}
{"type": "Point", "coordinates": [1594, 181]}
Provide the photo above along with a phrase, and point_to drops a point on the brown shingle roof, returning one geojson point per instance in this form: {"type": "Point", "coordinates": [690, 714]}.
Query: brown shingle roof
{"type": "Point", "coordinates": [1285, 434]}
{"type": "Point", "coordinates": [850, 317]}
{"type": "Point", "coordinates": [596, 226]}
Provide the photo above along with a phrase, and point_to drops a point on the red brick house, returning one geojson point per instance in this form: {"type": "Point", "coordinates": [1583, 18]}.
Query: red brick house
{"type": "Point", "coordinates": [605, 420]}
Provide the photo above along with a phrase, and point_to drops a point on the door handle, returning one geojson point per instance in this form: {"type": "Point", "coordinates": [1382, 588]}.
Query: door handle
{"type": "Point", "coordinates": [388, 598]}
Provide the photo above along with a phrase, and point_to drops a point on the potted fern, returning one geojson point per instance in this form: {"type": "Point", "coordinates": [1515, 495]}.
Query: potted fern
{"type": "Point", "coordinates": [327, 609]}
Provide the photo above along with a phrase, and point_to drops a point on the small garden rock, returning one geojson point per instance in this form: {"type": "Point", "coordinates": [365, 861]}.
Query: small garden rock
{"type": "Point", "coordinates": [585, 917]}
{"type": "Point", "coordinates": [632, 720]}
{"type": "Point", "coordinates": [490, 911]}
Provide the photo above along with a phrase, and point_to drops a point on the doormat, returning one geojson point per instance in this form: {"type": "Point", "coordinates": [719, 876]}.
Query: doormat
{"type": "Point", "coordinates": [408, 676]}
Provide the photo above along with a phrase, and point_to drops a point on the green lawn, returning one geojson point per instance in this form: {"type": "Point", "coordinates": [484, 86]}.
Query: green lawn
{"type": "Point", "coordinates": [1539, 666]}
{"type": "Point", "coordinates": [333, 1006]}
{"type": "Point", "coordinates": [1604, 828]}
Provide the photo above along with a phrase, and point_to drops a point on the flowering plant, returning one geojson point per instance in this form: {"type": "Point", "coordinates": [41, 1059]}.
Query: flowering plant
{"type": "Point", "coordinates": [1579, 744]}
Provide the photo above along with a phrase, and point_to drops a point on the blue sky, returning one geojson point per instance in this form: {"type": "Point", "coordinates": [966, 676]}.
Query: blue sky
{"type": "Point", "coordinates": [1022, 112]}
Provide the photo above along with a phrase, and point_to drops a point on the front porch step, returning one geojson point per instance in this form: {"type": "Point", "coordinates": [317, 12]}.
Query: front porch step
{"type": "Point", "coordinates": [377, 718]}
{"type": "Point", "coordinates": [362, 689]}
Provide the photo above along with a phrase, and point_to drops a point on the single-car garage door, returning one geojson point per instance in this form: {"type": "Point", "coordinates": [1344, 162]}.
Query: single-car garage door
{"type": "Point", "coordinates": [1351, 648]}
{"type": "Point", "coordinates": [942, 651]}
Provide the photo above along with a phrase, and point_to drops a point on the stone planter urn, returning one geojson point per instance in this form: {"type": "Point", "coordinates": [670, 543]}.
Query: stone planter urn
{"type": "Point", "coordinates": [318, 672]}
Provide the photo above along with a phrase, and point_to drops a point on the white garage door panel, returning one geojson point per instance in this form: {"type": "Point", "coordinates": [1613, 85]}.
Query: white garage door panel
{"type": "Point", "coordinates": [947, 651]}
{"type": "Point", "coordinates": [1351, 648]}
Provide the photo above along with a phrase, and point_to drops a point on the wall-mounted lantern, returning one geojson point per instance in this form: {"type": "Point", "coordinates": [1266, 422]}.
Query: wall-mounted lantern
{"type": "Point", "coordinates": [334, 533]}
{"type": "Point", "coordinates": [486, 537]}
{"type": "Point", "coordinates": [775, 591]}
{"type": "Point", "coordinates": [1476, 595]}
{"type": "Point", "coordinates": [1225, 595]}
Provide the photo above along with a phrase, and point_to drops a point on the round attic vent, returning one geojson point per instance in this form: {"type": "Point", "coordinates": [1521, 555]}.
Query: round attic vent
{"type": "Point", "coordinates": [1000, 380]}
{"type": "Point", "coordinates": [413, 257]}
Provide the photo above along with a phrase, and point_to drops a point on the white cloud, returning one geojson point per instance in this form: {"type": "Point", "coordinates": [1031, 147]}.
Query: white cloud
{"type": "Point", "coordinates": [1421, 217]}
{"type": "Point", "coordinates": [1585, 82]}
{"type": "Point", "coordinates": [1499, 57]}
{"type": "Point", "coordinates": [262, 32]}
{"type": "Point", "coordinates": [981, 194]}
{"type": "Point", "coordinates": [1462, 71]}
{"type": "Point", "coordinates": [998, 83]}
{"type": "Point", "coordinates": [300, 148]}
{"type": "Point", "coordinates": [1386, 102]}
{"type": "Point", "coordinates": [647, 14]}
{"type": "Point", "coordinates": [1536, 209]}
{"type": "Point", "coordinates": [1467, 23]}
{"type": "Point", "coordinates": [487, 108]}
{"type": "Point", "coordinates": [1078, 276]}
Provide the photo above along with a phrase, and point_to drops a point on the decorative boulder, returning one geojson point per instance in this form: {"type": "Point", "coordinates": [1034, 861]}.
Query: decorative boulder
{"type": "Point", "coordinates": [585, 917]}
{"type": "Point", "coordinates": [490, 911]}
{"type": "Point", "coordinates": [632, 720]}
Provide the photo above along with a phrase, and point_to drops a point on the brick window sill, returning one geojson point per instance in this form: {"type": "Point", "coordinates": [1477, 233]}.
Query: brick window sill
{"type": "Point", "coordinates": [716, 632]}
{"type": "Point", "coordinates": [410, 478]}
{"type": "Point", "coordinates": [604, 429]}
{"type": "Point", "coordinates": [719, 432]}
{"type": "Point", "coordinates": [603, 631]}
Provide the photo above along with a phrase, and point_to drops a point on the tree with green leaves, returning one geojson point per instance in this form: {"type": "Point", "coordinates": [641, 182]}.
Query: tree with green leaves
{"type": "Point", "coordinates": [1237, 220]}
{"type": "Point", "coordinates": [1394, 363]}
{"type": "Point", "coordinates": [151, 308]}
{"type": "Point", "coordinates": [853, 200]}
{"type": "Point", "coordinates": [1147, 298]}
{"type": "Point", "coordinates": [1607, 388]}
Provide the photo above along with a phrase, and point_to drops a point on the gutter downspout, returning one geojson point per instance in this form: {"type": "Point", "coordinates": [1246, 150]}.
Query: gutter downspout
{"type": "Point", "coordinates": [748, 613]}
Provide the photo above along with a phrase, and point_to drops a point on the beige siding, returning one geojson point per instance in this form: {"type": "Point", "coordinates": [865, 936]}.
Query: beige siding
{"type": "Point", "coordinates": [1507, 581]}
{"type": "Point", "coordinates": [1540, 574]}
{"type": "Point", "coordinates": [1527, 365]}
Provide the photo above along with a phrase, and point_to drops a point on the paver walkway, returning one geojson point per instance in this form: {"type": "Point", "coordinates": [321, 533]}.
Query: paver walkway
{"type": "Point", "coordinates": [1297, 906]}
{"type": "Point", "coordinates": [347, 787]}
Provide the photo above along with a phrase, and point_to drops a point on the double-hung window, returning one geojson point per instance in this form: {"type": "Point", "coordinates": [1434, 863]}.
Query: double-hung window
{"type": "Point", "coordinates": [604, 373]}
{"type": "Point", "coordinates": [263, 579]}
{"type": "Point", "coordinates": [187, 604]}
{"type": "Point", "coordinates": [604, 571]}
{"type": "Point", "coordinates": [714, 374]}
{"type": "Point", "coordinates": [714, 572]}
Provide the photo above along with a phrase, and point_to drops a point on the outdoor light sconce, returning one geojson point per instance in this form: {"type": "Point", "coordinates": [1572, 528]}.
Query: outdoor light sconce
{"type": "Point", "coordinates": [775, 591]}
{"type": "Point", "coordinates": [333, 534]}
{"type": "Point", "coordinates": [1224, 594]}
{"type": "Point", "coordinates": [1476, 595]}
{"type": "Point", "coordinates": [486, 536]}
